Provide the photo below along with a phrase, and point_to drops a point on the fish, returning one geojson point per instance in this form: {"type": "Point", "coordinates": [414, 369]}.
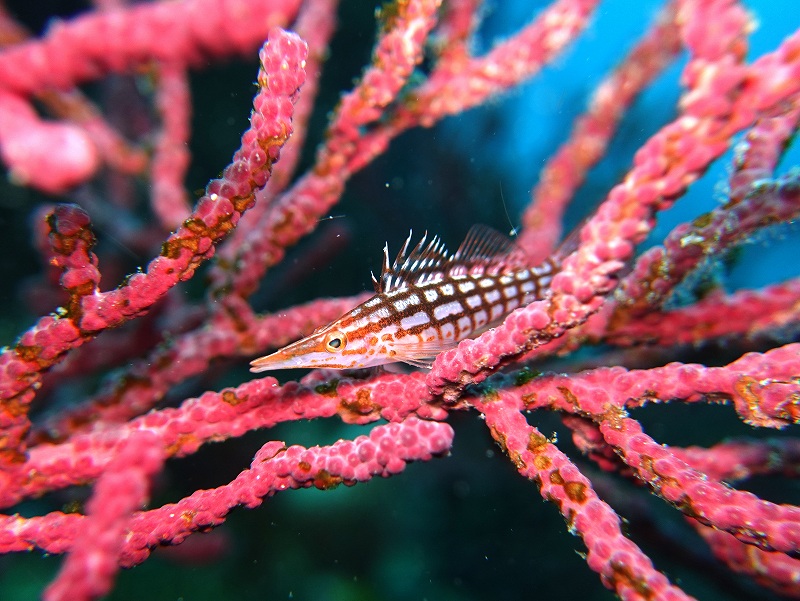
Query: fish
{"type": "Point", "coordinates": [425, 302]}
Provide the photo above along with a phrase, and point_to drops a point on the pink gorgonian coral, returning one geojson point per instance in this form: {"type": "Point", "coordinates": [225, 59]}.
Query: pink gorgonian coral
{"type": "Point", "coordinates": [110, 400]}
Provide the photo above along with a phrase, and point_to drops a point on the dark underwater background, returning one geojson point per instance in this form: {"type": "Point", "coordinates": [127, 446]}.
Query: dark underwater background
{"type": "Point", "coordinates": [465, 527]}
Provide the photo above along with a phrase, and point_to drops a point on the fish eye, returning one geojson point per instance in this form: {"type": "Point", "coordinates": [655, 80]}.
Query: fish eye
{"type": "Point", "coordinates": [335, 341]}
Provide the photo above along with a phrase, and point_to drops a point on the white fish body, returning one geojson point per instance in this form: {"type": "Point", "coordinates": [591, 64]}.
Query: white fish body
{"type": "Point", "coordinates": [426, 302]}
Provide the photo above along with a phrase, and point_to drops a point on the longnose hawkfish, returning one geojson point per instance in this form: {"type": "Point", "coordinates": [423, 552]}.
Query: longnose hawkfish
{"type": "Point", "coordinates": [425, 302]}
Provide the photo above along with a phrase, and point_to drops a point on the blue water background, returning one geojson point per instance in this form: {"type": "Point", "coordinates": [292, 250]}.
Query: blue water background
{"type": "Point", "coordinates": [464, 527]}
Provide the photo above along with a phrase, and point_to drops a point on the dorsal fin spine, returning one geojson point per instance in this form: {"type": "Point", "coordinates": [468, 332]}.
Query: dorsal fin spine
{"type": "Point", "coordinates": [482, 249]}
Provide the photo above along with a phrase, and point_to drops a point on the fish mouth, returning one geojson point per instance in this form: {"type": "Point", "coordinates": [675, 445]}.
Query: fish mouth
{"type": "Point", "coordinates": [294, 356]}
{"type": "Point", "coordinates": [278, 360]}
{"type": "Point", "coordinates": [267, 363]}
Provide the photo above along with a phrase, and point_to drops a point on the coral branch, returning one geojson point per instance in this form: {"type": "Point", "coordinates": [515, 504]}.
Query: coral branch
{"type": "Point", "coordinates": [621, 564]}
{"type": "Point", "coordinates": [275, 468]}
{"type": "Point", "coordinates": [89, 569]}
{"type": "Point", "coordinates": [615, 345]}
{"type": "Point", "coordinates": [214, 216]}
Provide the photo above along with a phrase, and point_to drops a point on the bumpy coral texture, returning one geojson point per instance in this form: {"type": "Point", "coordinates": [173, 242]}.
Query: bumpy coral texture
{"type": "Point", "coordinates": [161, 338]}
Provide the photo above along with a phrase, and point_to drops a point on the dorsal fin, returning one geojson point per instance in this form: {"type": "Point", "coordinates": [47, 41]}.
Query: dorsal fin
{"type": "Point", "coordinates": [426, 261]}
{"type": "Point", "coordinates": [483, 248]}
{"type": "Point", "coordinates": [483, 243]}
